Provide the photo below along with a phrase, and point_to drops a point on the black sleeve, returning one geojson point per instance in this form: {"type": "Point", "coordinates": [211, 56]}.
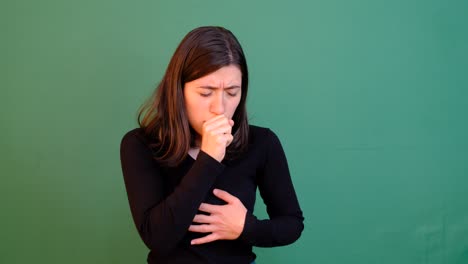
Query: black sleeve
{"type": "Point", "coordinates": [163, 221]}
{"type": "Point", "coordinates": [277, 191]}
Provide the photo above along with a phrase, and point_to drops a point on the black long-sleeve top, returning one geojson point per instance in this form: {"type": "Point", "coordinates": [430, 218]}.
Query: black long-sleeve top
{"type": "Point", "coordinates": [164, 200]}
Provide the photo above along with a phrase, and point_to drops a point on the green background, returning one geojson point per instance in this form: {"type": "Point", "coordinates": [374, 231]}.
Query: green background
{"type": "Point", "coordinates": [369, 99]}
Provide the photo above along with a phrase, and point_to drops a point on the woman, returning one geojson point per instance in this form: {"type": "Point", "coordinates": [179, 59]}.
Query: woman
{"type": "Point", "coordinates": [192, 168]}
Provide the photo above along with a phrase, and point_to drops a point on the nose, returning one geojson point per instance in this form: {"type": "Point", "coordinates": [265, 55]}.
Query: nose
{"type": "Point", "coordinates": [217, 106]}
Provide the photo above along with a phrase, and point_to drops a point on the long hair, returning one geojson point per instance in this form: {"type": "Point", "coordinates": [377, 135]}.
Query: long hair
{"type": "Point", "coordinates": [163, 117]}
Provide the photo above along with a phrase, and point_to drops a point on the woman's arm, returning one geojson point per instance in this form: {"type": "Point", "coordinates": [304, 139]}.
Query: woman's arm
{"type": "Point", "coordinates": [276, 188]}
{"type": "Point", "coordinates": [163, 221]}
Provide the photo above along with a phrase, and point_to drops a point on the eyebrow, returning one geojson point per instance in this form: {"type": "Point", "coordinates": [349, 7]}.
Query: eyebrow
{"type": "Point", "coordinates": [213, 88]}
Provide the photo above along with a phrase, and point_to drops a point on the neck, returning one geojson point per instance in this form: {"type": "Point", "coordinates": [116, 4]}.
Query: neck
{"type": "Point", "coordinates": [197, 143]}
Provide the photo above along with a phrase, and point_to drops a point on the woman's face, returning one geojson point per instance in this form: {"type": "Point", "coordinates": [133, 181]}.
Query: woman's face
{"type": "Point", "coordinates": [217, 93]}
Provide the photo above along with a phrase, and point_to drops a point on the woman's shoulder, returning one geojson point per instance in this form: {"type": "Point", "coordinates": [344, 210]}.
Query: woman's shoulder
{"type": "Point", "coordinates": [255, 130]}
{"type": "Point", "coordinates": [258, 134]}
{"type": "Point", "coordinates": [263, 141]}
{"type": "Point", "coordinates": [137, 136]}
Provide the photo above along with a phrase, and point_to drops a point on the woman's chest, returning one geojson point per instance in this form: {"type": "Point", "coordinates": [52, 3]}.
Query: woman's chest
{"type": "Point", "coordinates": [238, 178]}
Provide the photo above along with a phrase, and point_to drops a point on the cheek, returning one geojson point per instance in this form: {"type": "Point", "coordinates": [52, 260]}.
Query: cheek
{"type": "Point", "coordinates": [195, 114]}
{"type": "Point", "coordinates": [235, 104]}
{"type": "Point", "coordinates": [192, 112]}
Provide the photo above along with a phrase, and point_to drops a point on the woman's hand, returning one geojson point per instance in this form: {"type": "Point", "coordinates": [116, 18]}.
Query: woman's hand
{"type": "Point", "coordinates": [225, 222]}
{"type": "Point", "coordinates": [217, 136]}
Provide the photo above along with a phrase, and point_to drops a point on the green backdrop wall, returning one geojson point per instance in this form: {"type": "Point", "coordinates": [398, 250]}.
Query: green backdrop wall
{"type": "Point", "coordinates": [369, 99]}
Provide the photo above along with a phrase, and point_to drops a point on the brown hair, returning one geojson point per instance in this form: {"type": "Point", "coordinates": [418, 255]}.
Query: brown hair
{"type": "Point", "coordinates": [202, 51]}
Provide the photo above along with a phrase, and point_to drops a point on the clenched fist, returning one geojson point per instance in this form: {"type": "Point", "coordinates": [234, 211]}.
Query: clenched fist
{"type": "Point", "coordinates": [217, 136]}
